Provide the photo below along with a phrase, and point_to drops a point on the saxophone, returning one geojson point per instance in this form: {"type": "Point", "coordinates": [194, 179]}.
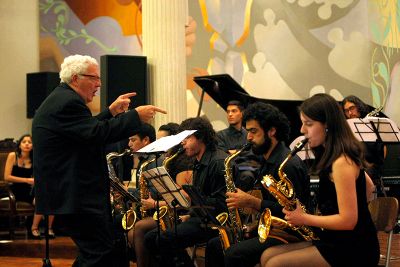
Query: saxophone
{"type": "Point", "coordinates": [129, 217]}
{"type": "Point", "coordinates": [234, 233]}
{"type": "Point", "coordinates": [144, 190]}
{"type": "Point", "coordinates": [374, 112]}
{"type": "Point", "coordinates": [165, 214]}
{"type": "Point", "coordinates": [283, 191]}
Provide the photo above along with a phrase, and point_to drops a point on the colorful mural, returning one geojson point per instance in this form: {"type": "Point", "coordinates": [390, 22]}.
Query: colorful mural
{"type": "Point", "coordinates": [276, 49]}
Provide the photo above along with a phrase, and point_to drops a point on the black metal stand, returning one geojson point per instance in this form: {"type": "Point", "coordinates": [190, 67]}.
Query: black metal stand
{"type": "Point", "coordinates": [46, 260]}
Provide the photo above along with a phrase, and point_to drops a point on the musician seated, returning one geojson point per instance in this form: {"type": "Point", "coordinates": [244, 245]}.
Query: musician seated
{"type": "Point", "coordinates": [354, 107]}
{"type": "Point", "coordinates": [267, 129]}
{"type": "Point", "coordinates": [208, 178]}
{"type": "Point", "coordinates": [180, 167]}
{"type": "Point", "coordinates": [233, 138]}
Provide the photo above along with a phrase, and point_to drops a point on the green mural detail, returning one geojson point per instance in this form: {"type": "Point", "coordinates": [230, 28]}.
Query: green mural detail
{"type": "Point", "coordinates": [64, 35]}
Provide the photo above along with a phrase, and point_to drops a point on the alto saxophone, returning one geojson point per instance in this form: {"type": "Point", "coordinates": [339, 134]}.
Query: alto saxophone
{"type": "Point", "coordinates": [164, 213]}
{"type": "Point", "coordinates": [234, 233]}
{"type": "Point", "coordinates": [129, 217]}
{"type": "Point", "coordinates": [144, 190]}
{"type": "Point", "coordinates": [374, 112]}
{"type": "Point", "coordinates": [283, 191]}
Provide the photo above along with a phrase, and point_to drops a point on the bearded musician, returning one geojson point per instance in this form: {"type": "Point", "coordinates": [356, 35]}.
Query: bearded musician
{"type": "Point", "coordinates": [267, 129]}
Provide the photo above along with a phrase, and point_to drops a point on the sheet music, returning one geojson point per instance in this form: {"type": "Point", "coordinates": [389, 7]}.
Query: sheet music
{"type": "Point", "coordinates": [364, 130]}
{"type": "Point", "coordinates": [164, 185]}
{"type": "Point", "coordinates": [166, 142]}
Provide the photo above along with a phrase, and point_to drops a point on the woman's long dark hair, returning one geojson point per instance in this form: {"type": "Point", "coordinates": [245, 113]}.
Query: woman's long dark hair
{"type": "Point", "coordinates": [18, 150]}
{"type": "Point", "coordinates": [339, 137]}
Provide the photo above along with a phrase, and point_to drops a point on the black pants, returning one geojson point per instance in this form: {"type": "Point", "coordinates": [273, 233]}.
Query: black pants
{"type": "Point", "coordinates": [170, 246]}
{"type": "Point", "coordinates": [246, 253]}
{"type": "Point", "coordinates": [93, 235]}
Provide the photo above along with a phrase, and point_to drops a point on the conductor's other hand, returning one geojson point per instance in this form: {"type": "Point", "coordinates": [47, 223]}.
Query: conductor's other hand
{"type": "Point", "coordinates": [146, 113]}
{"type": "Point", "coordinates": [121, 104]}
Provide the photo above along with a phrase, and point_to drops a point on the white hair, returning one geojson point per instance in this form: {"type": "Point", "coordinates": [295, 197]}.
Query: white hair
{"type": "Point", "coordinates": [75, 64]}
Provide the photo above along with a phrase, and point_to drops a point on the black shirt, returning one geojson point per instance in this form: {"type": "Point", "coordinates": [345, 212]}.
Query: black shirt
{"type": "Point", "coordinates": [208, 177]}
{"type": "Point", "coordinates": [230, 138]}
{"type": "Point", "coordinates": [296, 172]}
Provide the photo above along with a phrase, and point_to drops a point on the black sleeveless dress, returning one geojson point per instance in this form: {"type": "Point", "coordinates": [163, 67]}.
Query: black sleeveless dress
{"type": "Point", "coordinates": [22, 191]}
{"type": "Point", "coordinates": [357, 247]}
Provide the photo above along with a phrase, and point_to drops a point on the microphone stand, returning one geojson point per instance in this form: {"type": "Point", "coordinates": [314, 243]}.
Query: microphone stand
{"type": "Point", "coordinates": [46, 260]}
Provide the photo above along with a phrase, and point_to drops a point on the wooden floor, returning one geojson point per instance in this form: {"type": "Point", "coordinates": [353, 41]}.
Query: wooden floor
{"type": "Point", "coordinates": [24, 252]}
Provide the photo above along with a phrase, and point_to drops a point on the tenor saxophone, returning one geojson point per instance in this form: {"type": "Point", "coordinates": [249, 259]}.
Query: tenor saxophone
{"type": "Point", "coordinates": [129, 217]}
{"type": "Point", "coordinates": [144, 190]}
{"type": "Point", "coordinates": [164, 214]}
{"type": "Point", "coordinates": [283, 191]}
{"type": "Point", "coordinates": [233, 233]}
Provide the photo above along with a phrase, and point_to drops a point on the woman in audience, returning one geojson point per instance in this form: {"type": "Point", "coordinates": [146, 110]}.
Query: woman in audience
{"type": "Point", "coordinates": [18, 171]}
{"type": "Point", "coordinates": [349, 236]}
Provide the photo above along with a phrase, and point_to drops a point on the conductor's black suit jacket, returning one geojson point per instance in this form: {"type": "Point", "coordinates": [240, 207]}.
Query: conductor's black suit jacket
{"type": "Point", "coordinates": [69, 159]}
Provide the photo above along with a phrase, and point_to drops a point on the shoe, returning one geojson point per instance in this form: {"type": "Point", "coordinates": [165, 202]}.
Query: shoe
{"type": "Point", "coordinates": [51, 234]}
{"type": "Point", "coordinates": [35, 234]}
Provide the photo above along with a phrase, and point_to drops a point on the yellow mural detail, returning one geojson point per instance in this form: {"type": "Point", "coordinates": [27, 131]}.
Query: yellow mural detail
{"type": "Point", "coordinates": [246, 29]}
{"type": "Point", "coordinates": [204, 14]}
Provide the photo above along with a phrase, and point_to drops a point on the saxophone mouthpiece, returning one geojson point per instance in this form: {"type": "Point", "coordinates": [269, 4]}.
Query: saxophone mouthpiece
{"type": "Point", "coordinates": [247, 145]}
{"type": "Point", "coordinates": [298, 146]}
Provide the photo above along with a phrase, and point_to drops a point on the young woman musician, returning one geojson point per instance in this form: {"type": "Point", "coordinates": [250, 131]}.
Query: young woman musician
{"type": "Point", "coordinates": [348, 237]}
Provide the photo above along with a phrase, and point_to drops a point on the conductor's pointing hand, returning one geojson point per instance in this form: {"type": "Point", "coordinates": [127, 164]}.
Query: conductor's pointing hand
{"type": "Point", "coordinates": [146, 113]}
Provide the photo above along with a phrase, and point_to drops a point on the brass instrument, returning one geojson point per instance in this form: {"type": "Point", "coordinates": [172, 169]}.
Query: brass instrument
{"type": "Point", "coordinates": [374, 112]}
{"type": "Point", "coordinates": [129, 217]}
{"type": "Point", "coordinates": [233, 233]}
{"type": "Point", "coordinates": [283, 191]}
{"type": "Point", "coordinates": [164, 213]}
{"type": "Point", "coordinates": [144, 190]}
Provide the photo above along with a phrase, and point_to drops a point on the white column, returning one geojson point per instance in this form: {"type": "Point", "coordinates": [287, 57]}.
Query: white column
{"type": "Point", "coordinates": [164, 45]}
{"type": "Point", "coordinates": [19, 55]}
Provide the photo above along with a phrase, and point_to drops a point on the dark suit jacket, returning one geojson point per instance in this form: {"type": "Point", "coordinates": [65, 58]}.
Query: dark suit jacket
{"type": "Point", "coordinates": [69, 157]}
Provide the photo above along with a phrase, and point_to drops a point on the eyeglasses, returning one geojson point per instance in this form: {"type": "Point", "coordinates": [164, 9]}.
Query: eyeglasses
{"type": "Point", "coordinates": [93, 77]}
{"type": "Point", "coordinates": [352, 109]}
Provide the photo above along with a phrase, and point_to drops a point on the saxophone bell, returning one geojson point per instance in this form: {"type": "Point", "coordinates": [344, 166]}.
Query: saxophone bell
{"type": "Point", "coordinates": [283, 191]}
{"type": "Point", "coordinates": [126, 219]}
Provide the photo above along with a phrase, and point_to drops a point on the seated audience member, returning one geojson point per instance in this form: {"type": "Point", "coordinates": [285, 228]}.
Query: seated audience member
{"type": "Point", "coordinates": [19, 171]}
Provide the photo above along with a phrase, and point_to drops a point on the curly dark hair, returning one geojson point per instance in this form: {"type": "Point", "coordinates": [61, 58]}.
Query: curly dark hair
{"type": "Point", "coordinates": [18, 150]}
{"type": "Point", "coordinates": [363, 108]}
{"type": "Point", "coordinates": [268, 116]}
{"type": "Point", "coordinates": [205, 131]}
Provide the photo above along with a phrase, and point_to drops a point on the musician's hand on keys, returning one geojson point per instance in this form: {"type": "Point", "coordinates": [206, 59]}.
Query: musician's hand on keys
{"type": "Point", "coordinates": [148, 203]}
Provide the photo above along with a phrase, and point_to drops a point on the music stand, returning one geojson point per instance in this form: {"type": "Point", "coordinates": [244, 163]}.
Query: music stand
{"type": "Point", "coordinates": [372, 129]}
{"type": "Point", "coordinates": [199, 206]}
{"type": "Point", "coordinates": [169, 191]}
{"type": "Point", "coordinates": [375, 129]}
{"type": "Point", "coordinates": [166, 187]}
